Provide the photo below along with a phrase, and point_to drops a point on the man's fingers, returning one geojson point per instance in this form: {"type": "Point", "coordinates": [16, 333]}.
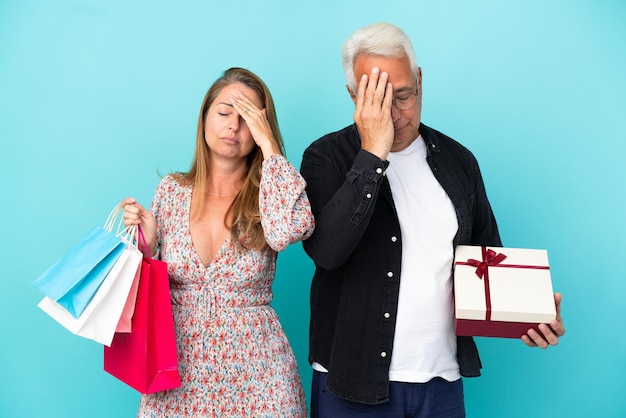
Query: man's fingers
{"type": "Point", "coordinates": [381, 89]}
{"type": "Point", "coordinates": [360, 93]}
{"type": "Point", "coordinates": [372, 86]}
{"type": "Point", "coordinates": [388, 99]}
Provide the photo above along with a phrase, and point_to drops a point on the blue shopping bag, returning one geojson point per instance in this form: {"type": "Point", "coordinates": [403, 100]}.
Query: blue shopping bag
{"type": "Point", "coordinates": [73, 279]}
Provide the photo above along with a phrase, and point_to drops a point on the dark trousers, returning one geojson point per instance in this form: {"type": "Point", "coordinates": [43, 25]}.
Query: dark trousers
{"type": "Point", "coordinates": [436, 398]}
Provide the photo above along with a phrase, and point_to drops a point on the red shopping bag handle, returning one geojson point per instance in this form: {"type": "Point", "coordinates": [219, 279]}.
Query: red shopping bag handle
{"type": "Point", "coordinates": [143, 245]}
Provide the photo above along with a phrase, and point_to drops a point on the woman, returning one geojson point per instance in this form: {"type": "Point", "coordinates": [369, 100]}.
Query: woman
{"type": "Point", "coordinates": [219, 228]}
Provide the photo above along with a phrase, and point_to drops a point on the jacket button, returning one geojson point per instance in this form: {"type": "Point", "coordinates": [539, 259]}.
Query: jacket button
{"type": "Point", "coordinates": [387, 315]}
{"type": "Point", "coordinates": [369, 195]}
{"type": "Point", "coordinates": [394, 239]}
{"type": "Point", "coordinates": [383, 354]}
{"type": "Point", "coordinates": [379, 170]}
{"type": "Point", "coordinates": [390, 274]}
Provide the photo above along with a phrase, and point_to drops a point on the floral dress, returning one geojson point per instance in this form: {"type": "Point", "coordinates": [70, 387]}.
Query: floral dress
{"type": "Point", "coordinates": [233, 355]}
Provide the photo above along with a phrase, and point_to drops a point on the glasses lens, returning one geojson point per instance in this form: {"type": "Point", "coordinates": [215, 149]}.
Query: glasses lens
{"type": "Point", "coordinates": [405, 102]}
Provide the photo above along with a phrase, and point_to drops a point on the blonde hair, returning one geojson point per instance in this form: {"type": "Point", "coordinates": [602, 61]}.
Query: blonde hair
{"type": "Point", "coordinates": [246, 221]}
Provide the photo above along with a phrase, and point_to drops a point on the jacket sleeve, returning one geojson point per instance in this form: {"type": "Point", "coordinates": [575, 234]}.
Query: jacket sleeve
{"type": "Point", "coordinates": [283, 204]}
{"type": "Point", "coordinates": [342, 203]}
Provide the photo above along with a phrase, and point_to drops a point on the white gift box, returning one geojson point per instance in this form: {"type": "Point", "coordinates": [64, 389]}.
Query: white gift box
{"type": "Point", "coordinates": [501, 292]}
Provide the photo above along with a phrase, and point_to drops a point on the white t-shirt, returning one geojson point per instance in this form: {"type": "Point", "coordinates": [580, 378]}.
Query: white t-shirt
{"type": "Point", "coordinates": [424, 342]}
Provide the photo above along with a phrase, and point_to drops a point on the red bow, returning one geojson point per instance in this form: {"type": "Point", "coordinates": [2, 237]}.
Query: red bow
{"type": "Point", "coordinates": [490, 258]}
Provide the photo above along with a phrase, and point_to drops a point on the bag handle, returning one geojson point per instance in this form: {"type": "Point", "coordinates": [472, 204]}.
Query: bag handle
{"type": "Point", "coordinates": [126, 234]}
{"type": "Point", "coordinates": [113, 216]}
{"type": "Point", "coordinates": [129, 236]}
{"type": "Point", "coordinates": [142, 244]}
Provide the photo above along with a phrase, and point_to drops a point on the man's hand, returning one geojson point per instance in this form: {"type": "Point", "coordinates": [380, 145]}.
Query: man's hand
{"type": "Point", "coordinates": [373, 113]}
{"type": "Point", "coordinates": [551, 332]}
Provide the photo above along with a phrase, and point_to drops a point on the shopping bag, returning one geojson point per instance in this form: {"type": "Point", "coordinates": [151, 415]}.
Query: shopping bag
{"type": "Point", "coordinates": [146, 358]}
{"type": "Point", "coordinates": [125, 322]}
{"type": "Point", "coordinates": [100, 318]}
{"type": "Point", "coordinates": [74, 278]}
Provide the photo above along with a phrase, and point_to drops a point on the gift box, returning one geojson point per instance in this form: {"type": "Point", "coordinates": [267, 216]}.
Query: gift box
{"type": "Point", "coordinates": [501, 292]}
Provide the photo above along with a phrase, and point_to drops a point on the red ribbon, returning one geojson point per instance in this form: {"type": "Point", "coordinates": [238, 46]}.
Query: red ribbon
{"type": "Point", "coordinates": [490, 258]}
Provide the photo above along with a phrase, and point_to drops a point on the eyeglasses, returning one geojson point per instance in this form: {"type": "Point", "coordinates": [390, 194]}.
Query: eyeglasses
{"type": "Point", "coordinates": [405, 100]}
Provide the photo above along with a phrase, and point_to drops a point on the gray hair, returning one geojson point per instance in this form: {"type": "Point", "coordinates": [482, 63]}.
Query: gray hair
{"type": "Point", "coordinates": [382, 39]}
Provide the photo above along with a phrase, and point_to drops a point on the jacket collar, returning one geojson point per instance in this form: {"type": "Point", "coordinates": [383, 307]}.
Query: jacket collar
{"type": "Point", "coordinates": [430, 139]}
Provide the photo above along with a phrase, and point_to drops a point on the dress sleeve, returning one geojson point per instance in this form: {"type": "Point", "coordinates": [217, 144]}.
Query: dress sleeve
{"type": "Point", "coordinates": [283, 204]}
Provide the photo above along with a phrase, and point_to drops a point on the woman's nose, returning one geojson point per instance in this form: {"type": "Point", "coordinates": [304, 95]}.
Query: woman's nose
{"type": "Point", "coordinates": [234, 122]}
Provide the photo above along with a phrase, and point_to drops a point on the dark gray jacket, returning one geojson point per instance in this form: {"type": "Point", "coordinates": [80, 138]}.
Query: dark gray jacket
{"type": "Point", "coordinates": [357, 250]}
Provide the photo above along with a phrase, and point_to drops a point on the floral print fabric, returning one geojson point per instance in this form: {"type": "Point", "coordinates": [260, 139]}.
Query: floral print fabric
{"type": "Point", "coordinates": [234, 357]}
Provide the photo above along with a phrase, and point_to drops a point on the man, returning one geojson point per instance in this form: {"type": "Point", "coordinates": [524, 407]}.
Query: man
{"type": "Point", "coordinates": [392, 198]}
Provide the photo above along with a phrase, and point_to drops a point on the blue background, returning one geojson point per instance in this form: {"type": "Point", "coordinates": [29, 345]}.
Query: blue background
{"type": "Point", "coordinates": [99, 97]}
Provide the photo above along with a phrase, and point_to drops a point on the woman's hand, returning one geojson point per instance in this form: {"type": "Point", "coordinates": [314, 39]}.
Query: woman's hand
{"type": "Point", "coordinates": [135, 214]}
{"type": "Point", "coordinates": [257, 122]}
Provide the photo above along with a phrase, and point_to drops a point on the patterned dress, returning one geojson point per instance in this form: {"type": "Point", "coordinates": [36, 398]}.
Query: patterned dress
{"type": "Point", "coordinates": [234, 357]}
